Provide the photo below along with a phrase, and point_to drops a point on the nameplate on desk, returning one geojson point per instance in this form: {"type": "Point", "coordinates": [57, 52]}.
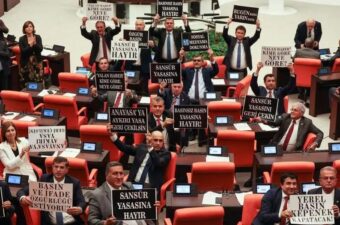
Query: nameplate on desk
{"type": "Point", "coordinates": [165, 72]}
{"type": "Point", "coordinates": [134, 204]}
{"type": "Point", "coordinates": [198, 41]}
{"type": "Point", "coordinates": [194, 117]}
{"type": "Point", "coordinates": [142, 36]}
{"type": "Point", "coordinates": [129, 120]}
{"type": "Point", "coordinates": [215, 158]}
{"type": "Point", "coordinates": [170, 8]}
{"type": "Point", "coordinates": [47, 138]}
{"type": "Point", "coordinates": [265, 108]}
{"type": "Point", "coordinates": [110, 81]}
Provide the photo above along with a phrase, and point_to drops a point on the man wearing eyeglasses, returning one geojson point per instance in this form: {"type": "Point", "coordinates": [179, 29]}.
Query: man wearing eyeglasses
{"type": "Point", "coordinates": [328, 181]}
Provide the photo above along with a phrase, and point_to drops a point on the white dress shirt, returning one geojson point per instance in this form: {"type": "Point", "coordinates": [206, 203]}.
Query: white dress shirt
{"type": "Point", "coordinates": [101, 51]}
{"type": "Point", "coordinates": [201, 85]}
{"type": "Point", "coordinates": [233, 60]}
{"type": "Point", "coordinates": [293, 138]}
{"type": "Point", "coordinates": [172, 45]}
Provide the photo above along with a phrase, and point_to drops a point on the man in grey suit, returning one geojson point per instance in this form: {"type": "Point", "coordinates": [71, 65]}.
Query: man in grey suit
{"type": "Point", "coordinates": [100, 202]}
{"type": "Point", "coordinates": [307, 51]}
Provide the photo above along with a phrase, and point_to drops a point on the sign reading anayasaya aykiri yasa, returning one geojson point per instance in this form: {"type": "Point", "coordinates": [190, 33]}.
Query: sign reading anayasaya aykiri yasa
{"type": "Point", "coordinates": [311, 209]}
{"type": "Point", "coordinates": [165, 72]}
{"type": "Point", "coordinates": [51, 196]}
{"type": "Point", "coordinates": [263, 107]}
{"type": "Point", "coordinates": [99, 11]}
{"type": "Point", "coordinates": [198, 41]}
{"type": "Point", "coordinates": [245, 14]}
{"type": "Point", "coordinates": [170, 8]}
{"type": "Point", "coordinates": [110, 81]}
{"type": "Point", "coordinates": [134, 204]}
{"type": "Point", "coordinates": [276, 56]}
{"type": "Point", "coordinates": [47, 138]}
{"type": "Point", "coordinates": [124, 50]}
{"type": "Point", "coordinates": [129, 120]}
{"type": "Point", "coordinates": [194, 117]}
{"type": "Point", "coordinates": [138, 35]}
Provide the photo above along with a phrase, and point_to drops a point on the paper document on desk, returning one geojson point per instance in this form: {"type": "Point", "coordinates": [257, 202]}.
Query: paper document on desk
{"type": "Point", "coordinates": [47, 52]}
{"type": "Point", "coordinates": [209, 198]}
{"type": "Point", "coordinates": [266, 127]}
{"type": "Point", "coordinates": [212, 158]}
{"type": "Point", "coordinates": [144, 100]}
{"type": "Point", "coordinates": [240, 196]}
{"type": "Point", "coordinates": [69, 94]}
{"type": "Point", "coordinates": [70, 152]}
{"type": "Point", "coordinates": [46, 92]}
{"type": "Point", "coordinates": [242, 126]}
{"type": "Point", "coordinates": [229, 100]}
{"type": "Point", "coordinates": [27, 118]}
{"type": "Point", "coordinates": [218, 81]}
{"type": "Point", "coordinates": [10, 115]}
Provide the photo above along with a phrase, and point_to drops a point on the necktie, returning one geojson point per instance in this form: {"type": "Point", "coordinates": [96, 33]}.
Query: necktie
{"type": "Point", "coordinates": [146, 170]}
{"type": "Point", "coordinates": [118, 100]}
{"type": "Point", "coordinates": [168, 47]}
{"type": "Point", "coordinates": [196, 85]}
{"type": "Point", "coordinates": [173, 103]}
{"type": "Point", "coordinates": [289, 134]}
{"type": "Point", "coordinates": [59, 218]}
{"type": "Point", "coordinates": [283, 220]}
{"type": "Point", "coordinates": [238, 62]}
{"type": "Point", "coordinates": [309, 34]}
{"type": "Point", "coordinates": [270, 94]}
{"type": "Point", "coordinates": [104, 47]}
{"type": "Point", "coordinates": [158, 121]}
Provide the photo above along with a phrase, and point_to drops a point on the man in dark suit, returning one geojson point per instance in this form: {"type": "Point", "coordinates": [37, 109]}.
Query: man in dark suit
{"type": "Point", "coordinates": [305, 29]}
{"type": "Point", "coordinates": [169, 39]}
{"type": "Point", "coordinates": [294, 128]}
{"type": "Point", "coordinates": [7, 205]}
{"type": "Point", "coordinates": [59, 175]}
{"type": "Point", "coordinates": [328, 181]}
{"type": "Point", "coordinates": [101, 38]}
{"type": "Point", "coordinates": [270, 90]}
{"type": "Point", "coordinates": [238, 56]}
{"type": "Point", "coordinates": [175, 96]}
{"type": "Point", "coordinates": [100, 202]}
{"type": "Point", "coordinates": [161, 120]}
{"type": "Point", "coordinates": [150, 160]}
{"type": "Point", "coordinates": [307, 51]}
{"type": "Point", "coordinates": [274, 202]}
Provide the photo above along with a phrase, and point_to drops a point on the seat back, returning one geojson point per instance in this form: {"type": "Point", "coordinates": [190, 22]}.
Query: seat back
{"type": "Point", "coordinates": [221, 67]}
{"type": "Point", "coordinates": [336, 165]}
{"type": "Point", "coordinates": [240, 143]}
{"type": "Point", "coordinates": [85, 59]}
{"type": "Point", "coordinates": [336, 66]}
{"type": "Point", "coordinates": [71, 82]}
{"type": "Point", "coordinates": [310, 139]}
{"type": "Point", "coordinates": [211, 215]}
{"type": "Point", "coordinates": [251, 206]}
{"type": "Point", "coordinates": [213, 176]}
{"type": "Point", "coordinates": [303, 170]}
{"type": "Point", "coordinates": [17, 101]}
{"type": "Point", "coordinates": [170, 170]}
{"type": "Point", "coordinates": [67, 107]}
{"type": "Point", "coordinates": [242, 87]}
{"type": "Point", "coordinates": [32, 216]}
{"type": "Point", "coordinates": [285, 104]}
{"type": "Point", "coordinates": [304, 68]}
{"type": "Point", "coordinates": [17, 53]}
{"type": "Point", "coordinates": [77, 168]}
{"type": "Point", "coordinates": [221, 108]}
{"type": "Point", "coordinates": [22, 127]}
{"type": "Point", "coordinates": [99, 134]}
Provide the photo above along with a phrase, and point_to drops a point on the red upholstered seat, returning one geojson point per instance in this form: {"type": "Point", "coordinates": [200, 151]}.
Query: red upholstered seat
{"type": "Point", "coordinates": [336, 165]}
{"type": "Point", "coordinates": [168, 178]}
{"type": "Point", "coordinates": [251, 206]}
{"type": "Point", "coordinates": [71, 82]}
{"type": "Point", "coordinates": [241, 88]}
{"type": "Point", "coordinates": [19, 101]}
{"type": "Point", "coordinates": [221, 108]}
{"type": "Point", "coordinates": [304, 68]}
{"type": "Point", "coordinates": [336, 66]}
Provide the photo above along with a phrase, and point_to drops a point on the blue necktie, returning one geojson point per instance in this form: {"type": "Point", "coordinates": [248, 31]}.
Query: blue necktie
{"type": "Point", "coordinates": [238, 62]}
{"type": "Point", "coordinates": [168, 46]}
{"type": "Point", "coordinates": [146, 170]}
{"type": "Point", "coordinates": [197, 96]}
{"type": "Point", "coordinates": [59, 218]}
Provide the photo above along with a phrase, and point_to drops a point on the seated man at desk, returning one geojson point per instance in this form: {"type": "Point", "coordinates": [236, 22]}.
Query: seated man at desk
{"type": "Point", "coordinates": [294, 128]}
{"type": "Point", "coordinates": [270, 90]}
{"type": "Point", "coordinates": [307, 51]}
{"type": "Point", "coordinates": [59, 175]}
{"type": "Point", "coordinates": [274, 202]}
{"type": "Point", "coordinates": [100, 202]}
{"type": "Point", "coordinates": [150, 160]}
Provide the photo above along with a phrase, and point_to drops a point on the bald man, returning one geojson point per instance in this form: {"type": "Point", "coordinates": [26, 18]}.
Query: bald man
{"type": "Point", "coordinates": [307, 51]}
{"type": "Point", "coordinates": [309, 28]}
{"type": "Point", "coordinates": [150, 160]}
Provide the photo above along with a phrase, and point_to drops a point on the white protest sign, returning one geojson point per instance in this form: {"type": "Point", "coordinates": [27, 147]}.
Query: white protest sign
{"type": "Point", "coordinates": [47, 138]}
{"type": "Point", "coordinates": [51, 196]}
{"type": "Point", "coordinates": [99, 11]}
{"type": "Point", "coordinates": [124, 50]}
{"type": "Point", "coordinates": [311, 209]}
{"type": "Point", "coordinates": [276, 56]}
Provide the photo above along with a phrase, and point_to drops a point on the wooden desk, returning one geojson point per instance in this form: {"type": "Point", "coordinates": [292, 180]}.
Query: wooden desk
{"type": "Point", "coordinates": [44, 121]}
{"type": "Point", "coordinates": [233, 209]}
{"type": "Point", "coordinates": [334, 128]}
{"type": "Point", "coordinates": [185, 161]}
{"type": "Point", "coordinates": [98, 161]}
{"type": "Point", "coordinates": [58, 63]}
{"type": "Point", "coordinates": [262, 137]}
{"type": "Point", "coordinates": [2, 8]}
{"type": "Point", "coordinates": [319, 100]}
{"type": "Point", "coordinates": [9, 4]}
{"type": "Point", "coordinates": [320, 158]}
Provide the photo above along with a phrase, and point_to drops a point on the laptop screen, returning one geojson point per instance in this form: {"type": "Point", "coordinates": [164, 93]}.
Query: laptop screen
{"type": "Point", "coordinates": [102, 116]}
{"type": "Point", "coordinates": [182, 188]}
{"type": "Point", "coordinates": [130, 74]}
{"type": "Point", "coordinates": [324, 51]}
{"type": "Point", "coordinates": [210, 95]}
{"type": "Point", "coordinates": [215, 150]}
{"type": "Point", "coordinates": [89, 146]}
{"type": "Point", "coordinates": [32, 86]}
{"type": "Point", "coordinates": [48, 112]}
{"type": "Point", "coordinates": [83, 91]}
{"type": "Point", "coordinates": [234, 76]}
{"type": "Point", "coordinates": [270, 150]}
{"type": "Point", "coordinates": [334, 147]}
{"type": "Point", "coordinates": [262, 188]}
{"type": "Point", "coordinates": [14, 179]}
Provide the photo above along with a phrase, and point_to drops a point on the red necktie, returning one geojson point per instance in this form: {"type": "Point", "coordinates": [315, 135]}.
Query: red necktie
{"type": "Point", "coordinates": [284, 220]}
{"type": "Point", "coordinates": [289, 134]}
{"type": "Point", "coordinates": [116, 105]}
{"type": "Point", "coordinates": [104, 47]}
{"type": "Point", "coordinates": [173, 103]}
{"type": "Point", "coordinates": [158, 121]}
